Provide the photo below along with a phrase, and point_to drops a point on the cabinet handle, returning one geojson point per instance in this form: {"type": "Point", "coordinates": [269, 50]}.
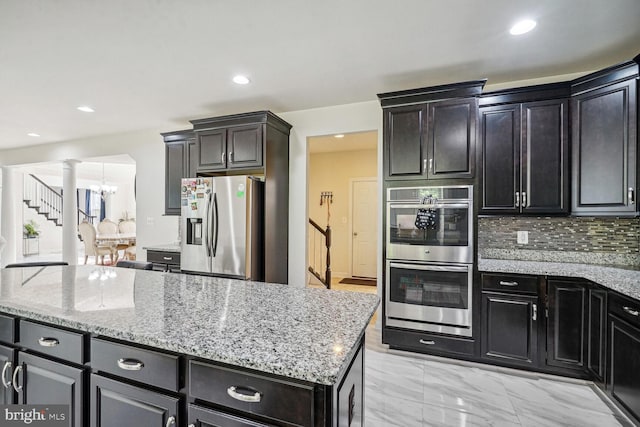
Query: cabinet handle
{"type": "Point", "coordinates": [171, 421]}
{"type": "Point", "coordinates": [427, 342]}
{"type": "Point", "coordinates": [230, 156]}
{"type": "Point", "coordinates": [191, 425]}
{"type": "Point", "coordinates": [517, 199]}
{"type": "Point", "coordinates": [535, 312]}
{"type": "Point", "coordinates": [431, 165]}
{"type": "Point", "coordinates": [16, 387]}
{"type": "Point", "coordinates": [48, 342]}
{"type": "Point", "coordinates": [130, 364]}
{"type": "Point", "coordinates": [167, 258]}
{"type": "Point", "coordinates": [524, 199]}
{"type": "Point", "coordinates": [255, 397]}
{"type": "Point", "coordinates": [7, 366]}
{"type": "Point", "coordinates": [631, 311]}
{"type": "Point", "coordinates": [424, 165]}
{"type": "Point", "coordinates": [503, 283]}
{"type": "Point", "coordinates": [630, 196]}
{"type": "Point", "coordinates": [222, 157]}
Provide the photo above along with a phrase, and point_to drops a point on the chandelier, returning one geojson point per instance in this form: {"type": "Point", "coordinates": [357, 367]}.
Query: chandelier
{"type": "Point", "coordinates": [104, 189]}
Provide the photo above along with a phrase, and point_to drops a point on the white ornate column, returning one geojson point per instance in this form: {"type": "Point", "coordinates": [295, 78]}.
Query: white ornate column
{"type": "Point", "coordinates": [8, 216]}
{"type": "Point", "coordinates": [69, 212]}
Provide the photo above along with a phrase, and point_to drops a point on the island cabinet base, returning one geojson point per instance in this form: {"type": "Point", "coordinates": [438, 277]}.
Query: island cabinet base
{"type": "Point", "coordinates": [227, 396]}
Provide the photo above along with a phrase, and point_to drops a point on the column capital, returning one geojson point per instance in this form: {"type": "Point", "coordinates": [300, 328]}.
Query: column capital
{"type": "Point", "coordinates": [71, 161]}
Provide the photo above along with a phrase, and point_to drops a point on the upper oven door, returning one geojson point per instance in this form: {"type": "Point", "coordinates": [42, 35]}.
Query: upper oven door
{"type": "Point", "coordinates": [448, 239]}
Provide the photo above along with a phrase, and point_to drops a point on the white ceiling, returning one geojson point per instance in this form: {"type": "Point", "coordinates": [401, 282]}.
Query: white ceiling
{"type": "Point", "coordinates": [155, 64]}
{"type": "Point", "coordinates": [349, 142]}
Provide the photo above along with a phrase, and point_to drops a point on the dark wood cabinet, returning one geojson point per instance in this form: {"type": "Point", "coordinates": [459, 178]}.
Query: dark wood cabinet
{"type": "Point", "coordinates": [566, 324]}
{"type": "Point", "coordinates": [510, 328]}
{"type": "Point", "coordinates": [7, 361]}
{"type": "Point", "coordinates": [42, 381]}
{"type": "Point", "coordinates": [116, 404]}
{"type": "Point", "coordinates": [204, 417]}
{"type": "Point", "coordinates": [238, 147]}
{"type": "Point", "coordinates": [604, 142]}
{"type": "Point", "coordinates": [164, 260]}
{"type": "Point", "coordinates": [596, 335]}
{"type": "Point", "coordinates": [180, 162]}
{"type": "Point", "coordinates": [351, 395]}
{"type": "Point", "coordinates": [430, 133]}
{"type": "Point", "coordinates": [212, 150]}
{"type": "Point", "coordinates": [525, 151]}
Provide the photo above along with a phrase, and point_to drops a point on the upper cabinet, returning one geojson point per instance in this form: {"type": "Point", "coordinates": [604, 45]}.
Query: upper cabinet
{"type": "Point", "coordinates": [181, 161]}
{"type": "Point", "coordinates": [524, 140]}
{"type": "Point", "coordinates": [234, 148]}
{"type": "Point", "coordinates": [604, 142]}
{"type": "Point", "coordinates": [430, 133]}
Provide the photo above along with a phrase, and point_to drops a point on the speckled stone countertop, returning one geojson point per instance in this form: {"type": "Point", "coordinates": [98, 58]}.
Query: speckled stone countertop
{"type": "Point", "coordinates": [625, 281]}
{"type": "Point", "coordinates": [169, 247]}
{"type": "Point", "coordinates": [302, 333]}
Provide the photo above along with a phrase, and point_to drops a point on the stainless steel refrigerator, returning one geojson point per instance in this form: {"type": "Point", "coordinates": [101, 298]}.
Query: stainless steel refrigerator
{"type": "Point", "coordinates": [222, 226]}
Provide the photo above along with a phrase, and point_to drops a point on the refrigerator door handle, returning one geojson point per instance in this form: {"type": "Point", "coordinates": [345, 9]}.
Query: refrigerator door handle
{"type": "Point", "coordinates": [215, 215]}
{"type": "Point", "coordinates": [207, 224]}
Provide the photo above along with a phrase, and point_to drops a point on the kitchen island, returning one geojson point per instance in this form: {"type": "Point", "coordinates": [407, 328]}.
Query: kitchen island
{"type": "Point", "coordinates": [209, 350]}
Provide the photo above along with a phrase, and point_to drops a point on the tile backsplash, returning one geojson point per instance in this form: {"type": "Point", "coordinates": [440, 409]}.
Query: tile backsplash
{"type": "Point", "coordinates": [565, 239]}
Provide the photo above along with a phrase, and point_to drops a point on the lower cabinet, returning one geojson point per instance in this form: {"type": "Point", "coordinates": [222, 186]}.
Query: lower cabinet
{"type": "Point", "coordinates": [596, 335]}
{"type": "Point", "coordinates": [116, 404]}
{"type": "Point", "coordinates": [350, 395]}
{"type": "Point", "coordinates": [510, 328]}
{"type": "Point", "coordinates": [566, 324]}
{"type": "Point", "coordinates": [43, 381]}
{"type": "Point", "coordinates": [7, 361]}
{"type": "Point", "coordinates": [204, 417]}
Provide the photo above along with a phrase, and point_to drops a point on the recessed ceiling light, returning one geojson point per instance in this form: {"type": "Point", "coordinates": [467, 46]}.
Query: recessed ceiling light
{"type": "Point", "coordinates": [241, 80]}
{"type": "Point", "coordinates": [522, 27]}
{"type": "Point", "coordinates": [86, 109]}
{"type": "Point", "coordinates": [340, 135]}
{"type": "Point", "coordinates": [33, 134]}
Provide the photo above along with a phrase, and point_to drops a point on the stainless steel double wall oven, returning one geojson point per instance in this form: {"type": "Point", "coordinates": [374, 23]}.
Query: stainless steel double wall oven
{"type": "Point", "coordinates": [429, 258]}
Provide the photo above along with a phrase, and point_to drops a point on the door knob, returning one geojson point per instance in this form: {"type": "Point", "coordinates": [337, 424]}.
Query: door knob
{"type": "Point", "coordinates": [355, 234]}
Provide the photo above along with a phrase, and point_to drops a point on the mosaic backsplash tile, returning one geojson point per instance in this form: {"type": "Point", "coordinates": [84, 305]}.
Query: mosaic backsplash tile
{"type": "Point", "coordinates": [566, 239]}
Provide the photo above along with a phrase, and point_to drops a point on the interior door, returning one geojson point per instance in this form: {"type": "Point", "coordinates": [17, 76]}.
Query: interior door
{"type": "Point", "coordinates": [364, 220]}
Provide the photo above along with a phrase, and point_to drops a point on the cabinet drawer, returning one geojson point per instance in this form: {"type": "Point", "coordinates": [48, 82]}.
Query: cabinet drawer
{"type": "Point", "coordinates": [137, 364]}
{"type": "Point", "coordinates": [200, 416]}
{"type": "Point", "coordinates": [510, 283]}
{"type": "Point", "coordinates": [7, 329]}
{"type": "Point", "coordinates": [428, 343]}
{"type": "Point", "coordinates": [163, 257]}
{"type": "Point", "coordinates": [625, 308]}
{"type": "Point", "coordinates": [278, 399]}
{"type": "Point", "coordinates": [53, 341]}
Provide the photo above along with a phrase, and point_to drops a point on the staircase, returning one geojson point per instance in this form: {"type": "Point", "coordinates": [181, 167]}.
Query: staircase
{"type": "Point", "coordinates": [320, 253]}
{"type": "Point", "coordinates": [46, 201]}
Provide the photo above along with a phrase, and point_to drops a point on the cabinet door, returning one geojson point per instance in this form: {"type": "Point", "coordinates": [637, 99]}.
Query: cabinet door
{"type": "Point", "coordinates": [115, 404]}
{"type": "Point", "coordinates": [624, 373]}
{"type": "Point", "coordinates": [500, 138]}
{"type": "Point", "coordinates": [604, 150]}
{"type": "Point", "coordinates": [566, 326]}
{"type": "Point", "coordinates": [350, 395]}
{"type": "Point", "coordinates": [7, 363]}
{"type": "Point", "coordinates": [403, 141]}
{"type": "Point", "coordinates": [174, 172]}
{"type": "Point", "coordinates": [51, 383]}
{"type": "Point", "coordinates": [191, 163]}
{"type": "Point", "coordinates": [509, 328]}
{"type": "Point", "coordinates": [205, 417]}
{"type": "Point", "coordinates": [244, 144]}
{"type": "Point", "coordinates": [597, 332]}
{"type": "Point", "coordinates": [212, 150]}
{"type": "Point", "coordinates": [451, 138]}
{"type": "Point", "coordinates": [545, 152]}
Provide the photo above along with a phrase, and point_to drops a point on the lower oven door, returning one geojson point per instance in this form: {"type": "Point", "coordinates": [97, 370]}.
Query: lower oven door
{"type": "Point", "coordinates": [430, 297]}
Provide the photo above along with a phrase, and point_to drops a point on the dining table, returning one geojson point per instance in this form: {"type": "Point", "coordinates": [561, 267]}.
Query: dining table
{"type": "Point", "coordinates": [121, 240]}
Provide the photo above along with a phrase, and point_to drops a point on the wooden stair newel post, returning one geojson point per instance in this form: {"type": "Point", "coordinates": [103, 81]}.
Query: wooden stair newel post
{"type": "Point", "coordinates": [327, 198]}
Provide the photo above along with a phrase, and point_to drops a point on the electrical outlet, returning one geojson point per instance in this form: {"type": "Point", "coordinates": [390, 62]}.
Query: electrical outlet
{"type": "Point", "coordinates": [150, 220]}
{"type": "Point", "coordinates": [523, 237]}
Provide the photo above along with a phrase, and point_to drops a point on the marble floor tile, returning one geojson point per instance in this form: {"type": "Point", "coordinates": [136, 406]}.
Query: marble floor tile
{"type": "Point", "coordinates": [438, 416]}
{"type": "Point", "coordinates": [394, 376]}
{"type": "Point", "coordinates": [383, 410]}
{"type": "Point", "coordinates": [536, 414]}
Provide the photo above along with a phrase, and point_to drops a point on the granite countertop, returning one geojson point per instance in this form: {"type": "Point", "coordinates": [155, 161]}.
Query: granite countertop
{"type": "Point", "coordinates": [168, 247]}
{"type": "Point", "coordinates": [623, 280]}
{"type": "Point", "coordinates": [303, 333]}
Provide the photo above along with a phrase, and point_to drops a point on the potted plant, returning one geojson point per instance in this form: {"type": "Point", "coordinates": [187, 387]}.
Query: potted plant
{"type": "Point", "coordinates": [30, 230]}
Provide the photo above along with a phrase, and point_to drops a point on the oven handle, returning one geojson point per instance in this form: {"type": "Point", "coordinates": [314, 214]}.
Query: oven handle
{"type": "Point", "coordinates": [436, 205]}
{"type": "Point", "coordinates": [452, 268]}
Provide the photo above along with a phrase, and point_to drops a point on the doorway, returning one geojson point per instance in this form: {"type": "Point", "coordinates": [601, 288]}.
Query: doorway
{"type": "Point", "coordinates": [346, 168]}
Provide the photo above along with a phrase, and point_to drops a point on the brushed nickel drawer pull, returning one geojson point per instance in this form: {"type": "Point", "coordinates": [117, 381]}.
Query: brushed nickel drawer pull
{"type": "Point", "coordinates": [631, 311]}
{"type": "Point", "coordinates": [16, 387]}
{"type": "Point", "coordinates": [171, 421]}
{"type": "Point", "coordinates": [503, 283]}
{"type": "Point", "coordinates": [7, 366]}
{"type": "Point", "coordinates": [427, 342]}
{"type": "Point", "coordinates": [48, 342]}
{"type": "Point", "coordinates": [255, 397]}
{"type": "Point", "coordinates": [167, 258]}
{"type": "Point", "coordinates": [130, 364]}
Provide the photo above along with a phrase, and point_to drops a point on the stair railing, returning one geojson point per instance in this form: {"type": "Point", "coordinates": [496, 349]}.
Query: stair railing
{"type": "Point", "coordinates": [320, 254]}
{"type": "Point", "coordinates": [47, 201]}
